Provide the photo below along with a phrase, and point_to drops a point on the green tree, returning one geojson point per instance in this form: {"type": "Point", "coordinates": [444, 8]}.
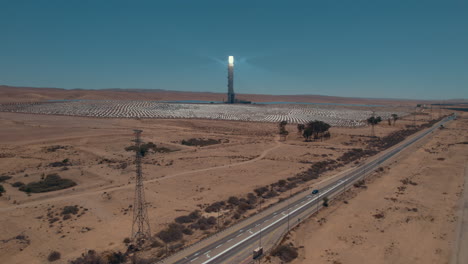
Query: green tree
{"type": "Point", "coordinates": [315, 128]}
{"type": "Point", "coordinates": [374, 121]}
{"type": "Point", "coordinates": [282, 129]}
{"type": "Point", "coordinates": [300, 128]}
{"type": "Point", "coordinates": [395, 118]}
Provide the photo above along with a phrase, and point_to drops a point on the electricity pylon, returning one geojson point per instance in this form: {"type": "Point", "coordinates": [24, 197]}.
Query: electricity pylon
{"type": "Point", "coordinates": [140, 227]}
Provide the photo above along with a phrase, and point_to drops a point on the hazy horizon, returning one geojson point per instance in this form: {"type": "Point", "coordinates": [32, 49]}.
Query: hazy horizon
{"type": "Point", "coordinates": [183, 91]}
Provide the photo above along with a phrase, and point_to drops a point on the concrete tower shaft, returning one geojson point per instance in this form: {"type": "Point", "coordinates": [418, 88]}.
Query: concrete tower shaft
{"type": "Point", "coordinates": [231, 96]}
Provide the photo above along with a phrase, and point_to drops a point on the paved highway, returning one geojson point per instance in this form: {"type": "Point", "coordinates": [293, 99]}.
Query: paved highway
{"type": "Point", "coordinates": [236, 244]}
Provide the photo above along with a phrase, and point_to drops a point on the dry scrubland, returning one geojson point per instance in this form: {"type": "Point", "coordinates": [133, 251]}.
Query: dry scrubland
{"type": "Point", "coordinates": [96, 213]}
{"type": "Point", "coordinates": [406, 213]}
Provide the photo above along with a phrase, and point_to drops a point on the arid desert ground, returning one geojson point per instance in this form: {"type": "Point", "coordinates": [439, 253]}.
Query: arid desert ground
{"type": "Point", "coordinates": [387, 222]}
{"type": "Point", "coordinates": [408, 213]}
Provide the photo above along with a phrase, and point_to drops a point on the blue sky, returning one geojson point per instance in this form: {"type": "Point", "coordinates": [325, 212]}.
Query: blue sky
{"type": "Point", "coordinates": [388, 49]}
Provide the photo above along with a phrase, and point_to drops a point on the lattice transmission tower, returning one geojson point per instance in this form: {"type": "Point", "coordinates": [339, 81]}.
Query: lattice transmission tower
{"type": "Point", "coordinates": [140, 227]}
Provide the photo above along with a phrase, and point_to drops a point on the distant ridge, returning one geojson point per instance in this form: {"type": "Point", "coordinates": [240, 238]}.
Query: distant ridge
{"type": "Point", "coordinates": [33, 94]}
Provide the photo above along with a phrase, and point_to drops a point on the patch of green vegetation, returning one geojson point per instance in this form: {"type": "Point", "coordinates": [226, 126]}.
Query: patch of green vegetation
{"type": "Point", "coordinates": [52, 182]}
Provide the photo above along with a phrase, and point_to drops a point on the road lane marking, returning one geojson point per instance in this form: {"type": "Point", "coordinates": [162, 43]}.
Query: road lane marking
{"type": "Point", "coordinates": [194, 259]}
{"type": "Point", "coordinates": [229, 240]}
{"type": "Point", "coordinates": [250, 236]}
{"type": "Point", "coordinates": [219, 245]}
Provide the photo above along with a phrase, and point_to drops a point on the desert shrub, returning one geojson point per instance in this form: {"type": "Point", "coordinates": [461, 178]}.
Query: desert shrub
{"type": "Point", "coordinates": [260, 191]}
{"type": "Point", "coordinates": [53, 256]}
{"type": "Point", "coordinates": [286, 253]}
{"type": "Point", "coordinates": [4, 178]}
{"type": "Point", "coordinates": [66, 217]}
{"type": "Point", "coordinates": [214, 207]}
{"type": "Point", "coordinates": [53, 220]}
{"type": "Point", "coordinates": [187, 231]}
{"type": "Point", "coordinates": [251, 198]}
{"type": "Point", "coordinates": [244, 206]}
{"type": "Point", "coordinates": [211, 220]}
{"type": "Point", "coordinates": [176, 246]}
{"type": "Point", "coordinates": [408, 181]}
{"type": "Point", "coordinates": [17, 184]}
{"type": "Point", "coordinates": [204, 223]}
{"type": "Point", "coordinates": [233, 200]}
{"type": "Point", "coordinates": [379, 215]}
{"type": "Point", "coordinates": [156, 244]}
{"type": "Point", "coordinates": [54, 148]}
{"type": "Point", "coordinates": [195, 214]}
{"type": "Point", "coordinates": [397, 136]}
{"type": "Point", "coordinates": [91, 257]}
{"type": "Point", "coordinates": [195, 225]}
{"type": "Point", "coordinates": [172, 233]}
{"type": "Point", "coordinates": [163, 150]}
{"type": "Point", "coordinates": [126, 240]}
{"type": "Point", "coordinates": [237, 215]}
{"type": "Point", "coordinates": [355, 154]}
{"type": "Point", "coordinates": [58, 164]}
{"type": "Point", "coordinates": [271, 194]}
{"type": "Point", "coordinates": [325, 201]}
{"type": "Point", "coordinates": [200, 142]}
{"type": "Point", "coordinates": [115, 257]}
{"type": "Point", "coordinates": [281, 183]}
{"type": "Point", "coordinates": [184, 219]}
{"type": "Point", "coordinates": [2, 190]}
{"type": "Point", "coordinates": [291, 185]}
{"type": "Point", "coordinates": [52, 182]}
{"type": "Point", "coordinates": [70, 209]}
{"type": "Point", "coordinates": [360, 184]}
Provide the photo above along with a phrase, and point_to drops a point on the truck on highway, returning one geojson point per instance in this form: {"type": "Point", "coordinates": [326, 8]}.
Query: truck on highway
{"type": "Point", "coordinates": [257, 252]}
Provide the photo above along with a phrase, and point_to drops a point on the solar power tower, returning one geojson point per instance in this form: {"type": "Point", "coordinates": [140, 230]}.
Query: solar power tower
{"type": "Point", "coordinates": [140, 227]}
{"type": "Point", "coordinates": [231, 96]}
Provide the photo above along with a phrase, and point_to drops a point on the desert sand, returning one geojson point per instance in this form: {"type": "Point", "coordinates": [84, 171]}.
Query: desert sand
{"type": "Point", "coordinates": [406, 214]}
{"type": "Point", "coordinates": [249, 155]}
